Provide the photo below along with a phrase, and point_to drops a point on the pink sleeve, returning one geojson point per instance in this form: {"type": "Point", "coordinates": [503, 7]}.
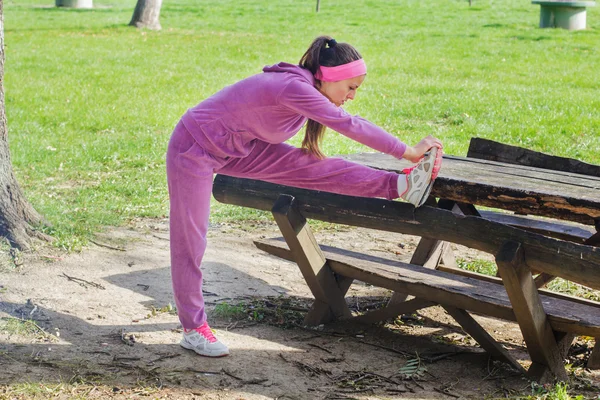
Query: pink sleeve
{"type": "Point", "coordinates": [309, 102]}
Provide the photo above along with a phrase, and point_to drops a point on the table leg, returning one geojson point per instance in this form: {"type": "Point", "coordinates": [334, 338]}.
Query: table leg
{"type": "Point", "coordinates": [432, 252]}
{"type": "Point", "coordinates": [594, 360]}
{"type": "Point", "coordinates": [328, 291]}
{"type": "Point", "coordinates": [529, 312]}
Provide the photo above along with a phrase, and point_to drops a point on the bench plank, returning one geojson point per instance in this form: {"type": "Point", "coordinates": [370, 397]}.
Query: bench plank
{"type": "Point", "coordinates": [494, 151]}
{"type": "Point", "coordinates": [446, 288]}
{"type": "Point", "coordinates": [564, 231]}
{"type": "Point", "coordinates": [542, 253]}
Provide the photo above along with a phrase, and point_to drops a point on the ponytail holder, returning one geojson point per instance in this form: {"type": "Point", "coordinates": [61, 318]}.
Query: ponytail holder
{"type": "Point", "coordinates": [331, 43]}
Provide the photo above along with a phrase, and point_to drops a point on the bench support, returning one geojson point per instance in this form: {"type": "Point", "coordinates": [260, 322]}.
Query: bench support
{"type": "Point", "coordinates": [594, 360]}
{"type": "Point", "coordinates": [546, 357]}
{"type": "Point", "coordinates": [485, 340]}
{"type": "Point", "coordinates": [328, 291]}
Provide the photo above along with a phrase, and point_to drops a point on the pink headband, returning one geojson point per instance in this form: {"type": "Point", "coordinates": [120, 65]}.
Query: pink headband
{"type": "Point", "coordinates": [342, 72]}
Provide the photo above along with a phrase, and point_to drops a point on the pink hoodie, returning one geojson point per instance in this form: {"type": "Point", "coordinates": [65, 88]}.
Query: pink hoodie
{"type": "Point", "coordinates": [272, 107]}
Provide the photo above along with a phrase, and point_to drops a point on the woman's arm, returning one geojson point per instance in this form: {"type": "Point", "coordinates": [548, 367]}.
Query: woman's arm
{"type": "Point", "coordinates": [304, 99]}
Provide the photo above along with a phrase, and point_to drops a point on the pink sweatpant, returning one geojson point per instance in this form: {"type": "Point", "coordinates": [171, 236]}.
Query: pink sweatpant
{"type": "Point", "coordinates": [190, 171]}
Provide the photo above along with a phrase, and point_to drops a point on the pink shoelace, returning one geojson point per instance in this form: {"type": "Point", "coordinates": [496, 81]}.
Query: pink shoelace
{"type": "Point", "coordinates": [205, 331]}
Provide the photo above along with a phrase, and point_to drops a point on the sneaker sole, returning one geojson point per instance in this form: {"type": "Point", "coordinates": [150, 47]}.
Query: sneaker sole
{"type": "Point", "coordinates": [187, 346]}
{"type": "Point", "coordinates": [425, 194]}
{"type": "Point", "coordinates": [420, 191]}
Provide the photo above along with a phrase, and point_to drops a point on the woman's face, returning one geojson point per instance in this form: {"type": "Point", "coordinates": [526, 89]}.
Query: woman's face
{"type": "Point", "coordinates": [341, 91]}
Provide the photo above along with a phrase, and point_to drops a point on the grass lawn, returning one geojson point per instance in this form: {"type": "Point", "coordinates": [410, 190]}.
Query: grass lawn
{"type": "Point", "coordinates": [91, 101]}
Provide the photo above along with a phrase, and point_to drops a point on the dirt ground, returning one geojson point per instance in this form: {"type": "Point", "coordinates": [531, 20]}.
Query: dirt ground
{"type": "Point", "coordinates": [110, 333]}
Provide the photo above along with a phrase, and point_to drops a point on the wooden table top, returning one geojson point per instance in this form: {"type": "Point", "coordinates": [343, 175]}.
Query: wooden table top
{"type": "Point", "coordinates": [522, 189]}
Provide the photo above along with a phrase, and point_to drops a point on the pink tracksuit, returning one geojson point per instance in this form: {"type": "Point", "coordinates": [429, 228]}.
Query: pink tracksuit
{"type": "Point", "coordinates": [240, 131]}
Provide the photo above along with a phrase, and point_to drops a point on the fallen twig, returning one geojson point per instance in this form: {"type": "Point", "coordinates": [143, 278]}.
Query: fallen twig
{"type": "Point", "coordinates": [160, 237]}
{"type": "Point", "coordinates": [144, 287]}
{"type": "Point", "coordinates": [253, 381]}
{"type": "Point", "coordinates": [320, 347]}
{"type": "Point", "coordinates": [199, 371]}
{"type": "Point", "coordinates": [163, 357]}
{"type": "Point", "coordinates": [83, 282]}
{"type": "Point", "coordinates": [387, 348]}
{"type": "Point", "coordinates": [443, 391]}
{"type": "Point", "coordinates": [107, 246]}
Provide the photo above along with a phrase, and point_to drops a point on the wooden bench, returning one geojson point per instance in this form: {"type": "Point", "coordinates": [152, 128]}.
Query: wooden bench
{"type": "Point", "coordinates": [571, 15]}
{"type": "Point", "coordinates": [548, 321]}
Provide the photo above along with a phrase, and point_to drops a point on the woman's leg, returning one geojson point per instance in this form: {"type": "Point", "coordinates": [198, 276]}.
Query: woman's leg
{"type": "Point", "coordinates": [291, 166]}
{"type": "Point", "coordinates": [190, 177]}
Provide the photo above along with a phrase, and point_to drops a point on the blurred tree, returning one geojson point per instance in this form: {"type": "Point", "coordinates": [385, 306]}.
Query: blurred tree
{"type": "Point", "coordinates": [18, 219]}
{"type": "Point", "coordinates": [146, 14]}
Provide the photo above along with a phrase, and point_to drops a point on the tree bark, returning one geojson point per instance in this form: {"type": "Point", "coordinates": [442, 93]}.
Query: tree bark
{"type": "Point", "coordinates": [17, 216]}
{"type": "Point", "coordinates": [146, 14]}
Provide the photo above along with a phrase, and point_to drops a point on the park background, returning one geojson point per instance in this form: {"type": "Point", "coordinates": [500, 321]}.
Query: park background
{"type": "Point", "coordinates": [91, 101]}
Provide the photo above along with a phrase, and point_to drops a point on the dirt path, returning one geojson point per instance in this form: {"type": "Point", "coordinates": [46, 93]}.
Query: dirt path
{"type": "Point", "coordinates": [112, 335]}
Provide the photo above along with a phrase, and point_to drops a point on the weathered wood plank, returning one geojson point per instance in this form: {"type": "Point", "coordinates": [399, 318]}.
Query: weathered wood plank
{"type": "Point", "coordinates": [494, 151]}
{"type": "Point", "coordinates": [522, 189]}
{"type": "Point", "coordinates": [559, 230]}
{"type": "Point", "coordinates": [445, 288]}
{"type": "Point", "coordinates": [498, 281]}
{"type": "Point", "coordinates": [571, 261]}
{"type": "Point", "coordinates": [528, 309]}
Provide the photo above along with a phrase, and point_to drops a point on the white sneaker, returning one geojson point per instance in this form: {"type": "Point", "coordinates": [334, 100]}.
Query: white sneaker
{"type": "Point", "coordinates": [203, 342]}
{"type": "Point", "coordinates": [419, 179]}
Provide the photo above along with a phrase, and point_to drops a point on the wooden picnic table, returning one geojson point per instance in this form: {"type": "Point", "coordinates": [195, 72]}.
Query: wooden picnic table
{"type": "Point", "coordinates": [522, 189]}
{"type": "Point", "coordinates": [527, 257]}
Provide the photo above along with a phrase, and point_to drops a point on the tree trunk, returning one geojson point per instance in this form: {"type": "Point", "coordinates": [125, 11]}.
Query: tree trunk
{"type": "Point", "coordinates": [146, 14]}
{"type": "Point", "coordinates": [17, 216]}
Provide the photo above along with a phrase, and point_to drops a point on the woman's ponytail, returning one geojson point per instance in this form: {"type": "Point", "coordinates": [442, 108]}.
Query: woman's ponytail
{"type": "Point", "coordinates": [324, 51]}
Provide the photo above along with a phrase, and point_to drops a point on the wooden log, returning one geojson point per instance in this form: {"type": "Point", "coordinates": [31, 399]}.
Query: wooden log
{"type": "Point", "coordinates": [494, 151]}
{"type": "Point", "coordinates": [527, 306]}
{"type": "Point", "coordinates": [571, 261]}
{"type": "Point", "coordinates": [445, 288]}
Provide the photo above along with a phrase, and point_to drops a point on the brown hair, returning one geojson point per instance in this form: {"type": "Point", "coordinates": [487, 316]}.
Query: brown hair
{"type": "Point", "coordinates": [324, 51]}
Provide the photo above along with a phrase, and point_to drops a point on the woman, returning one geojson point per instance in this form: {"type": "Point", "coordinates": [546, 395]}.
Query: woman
{"type": "Point", "coordinates": [240, 131]}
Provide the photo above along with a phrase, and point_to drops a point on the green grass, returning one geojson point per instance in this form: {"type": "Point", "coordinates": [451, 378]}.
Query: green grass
{"type": "Point", "coordinates": [24, 327]}
{"type": "Point", "coordinates": [488, 267]}
{"type": "Point", "coordinates": [91, 101]}
{"type": "Point", "coordinates": [560, 391]}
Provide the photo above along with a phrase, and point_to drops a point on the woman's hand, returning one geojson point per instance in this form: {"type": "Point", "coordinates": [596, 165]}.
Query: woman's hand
{"type": "Point", "coordinates": [416, 152]}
